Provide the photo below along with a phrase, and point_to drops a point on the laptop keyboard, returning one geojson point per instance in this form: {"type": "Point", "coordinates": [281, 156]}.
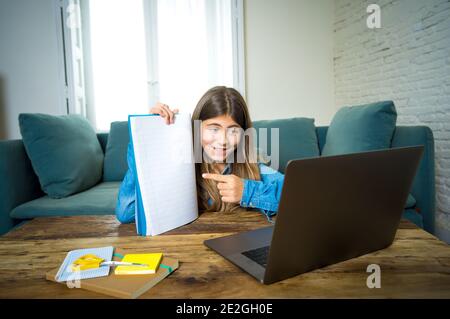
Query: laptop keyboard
{"type": "Point", "coordinates": [258, 255]}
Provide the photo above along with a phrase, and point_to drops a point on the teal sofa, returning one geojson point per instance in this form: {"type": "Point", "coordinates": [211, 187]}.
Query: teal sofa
{"type": "Point", "coordinates": [22, 198]}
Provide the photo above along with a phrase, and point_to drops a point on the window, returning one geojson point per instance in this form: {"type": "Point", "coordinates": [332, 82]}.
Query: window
{"type": "Point", "coordinates": [138, 52]}
{"type": "Point", "coordinates": [118, 59]}
{"type": "Point", "coordinates": [194, 49]}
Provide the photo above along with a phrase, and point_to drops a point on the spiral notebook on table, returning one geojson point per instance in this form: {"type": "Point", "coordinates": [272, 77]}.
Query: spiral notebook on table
{"type": "Point", "coordinates": [166, 193]}
{"type": "Point", "coordinates": [66, 274]}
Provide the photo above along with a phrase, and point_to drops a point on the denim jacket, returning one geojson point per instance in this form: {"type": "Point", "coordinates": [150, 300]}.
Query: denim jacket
{"type": "Point", "coordinates": [263, 195]}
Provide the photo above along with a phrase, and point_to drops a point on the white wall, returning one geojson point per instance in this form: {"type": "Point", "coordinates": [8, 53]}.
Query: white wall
{"type": "Point", "coordinates": [289, 59]}
{"type": "Point", "coordinates": [30, 79]}
{"type": "Point", "coordinates": [407, 61]}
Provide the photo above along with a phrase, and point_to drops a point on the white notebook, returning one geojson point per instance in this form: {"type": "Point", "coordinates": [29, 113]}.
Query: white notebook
{"type": "Point", "coordinates": [65, 272]}
{"type": "Point", "coordinates": [166, 194]}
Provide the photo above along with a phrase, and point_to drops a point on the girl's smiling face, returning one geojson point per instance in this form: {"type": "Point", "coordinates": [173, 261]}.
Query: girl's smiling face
{"type": "Point", "coordinates": [220, 137]}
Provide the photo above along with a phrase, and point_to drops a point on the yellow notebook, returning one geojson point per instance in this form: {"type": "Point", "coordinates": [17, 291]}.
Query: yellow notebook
{"type": "Point", "coordinates": [152, 260]}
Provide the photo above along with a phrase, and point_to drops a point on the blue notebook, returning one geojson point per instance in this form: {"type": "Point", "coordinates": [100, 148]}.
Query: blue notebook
{"type": "Point", "coordinates": [166, 191]}
{"type": "Point", "coordinates": [65, 272]}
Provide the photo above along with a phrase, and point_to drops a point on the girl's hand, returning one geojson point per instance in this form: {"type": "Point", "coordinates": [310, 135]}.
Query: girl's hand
{"type": "Point", "coordinates": [165, 112]}
{"type": "Point", "coordinates": [230, 187]}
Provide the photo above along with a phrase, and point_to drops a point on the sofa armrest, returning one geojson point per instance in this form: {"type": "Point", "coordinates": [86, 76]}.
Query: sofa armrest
{"type": "Point", "coordinates": [423, 188]}
{"type": "Point", "coordinates": [18, 182]}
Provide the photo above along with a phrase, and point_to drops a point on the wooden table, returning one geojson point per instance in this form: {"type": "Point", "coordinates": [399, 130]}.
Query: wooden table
{"type": "Point", "coordinates": [417, 265]}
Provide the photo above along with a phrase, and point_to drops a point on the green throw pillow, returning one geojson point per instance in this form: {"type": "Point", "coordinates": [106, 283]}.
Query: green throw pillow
{"type": "Point", "coordinates": [64, 152]}
{"type": "Point", "coordinates": [116, 165]}
{"type": "Point", "coordinates": [297, 139]}
{"type": "Point", "coordinates": [361, 128]}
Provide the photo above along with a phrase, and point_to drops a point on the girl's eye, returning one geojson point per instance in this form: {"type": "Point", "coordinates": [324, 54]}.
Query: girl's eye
{"type": "Point", "coordinates": [214, 129]}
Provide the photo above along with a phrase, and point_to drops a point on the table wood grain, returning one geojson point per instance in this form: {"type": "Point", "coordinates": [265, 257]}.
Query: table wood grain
{"type": "Point", "coordinates": [416, 265]}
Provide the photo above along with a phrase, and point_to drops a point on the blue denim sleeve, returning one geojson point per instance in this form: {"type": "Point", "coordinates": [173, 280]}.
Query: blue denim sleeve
{"type": "Point", "coordinates": [264, 194]}
{"type": "Point", "coordinates": [125, 208]}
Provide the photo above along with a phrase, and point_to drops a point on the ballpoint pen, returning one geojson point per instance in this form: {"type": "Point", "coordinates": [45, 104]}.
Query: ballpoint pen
{"type": "Point", "coordinates": [121, 263]}
{"type": "Point", "coordinates": [91, 261]}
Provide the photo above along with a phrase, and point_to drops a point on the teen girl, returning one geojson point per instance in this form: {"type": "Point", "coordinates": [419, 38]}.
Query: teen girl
{"type": "Point", "coordinates": [221, 186]}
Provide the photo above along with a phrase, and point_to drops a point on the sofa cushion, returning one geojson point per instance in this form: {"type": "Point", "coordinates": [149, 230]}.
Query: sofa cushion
{"type": "Point", "coordinates": [99, 200]}
{"type": "Point", "coordinates": [64, 152]}
{"type": "Point", "coordinates": [297, 139]}
{"type": "Point", "coordinates": [361, 128]}
{"type": "Point", "coordinates": [115, 166]}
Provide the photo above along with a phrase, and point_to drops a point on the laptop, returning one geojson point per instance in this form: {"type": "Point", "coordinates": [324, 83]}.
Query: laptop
{"type": "Point", "coordinates": [332, 208]}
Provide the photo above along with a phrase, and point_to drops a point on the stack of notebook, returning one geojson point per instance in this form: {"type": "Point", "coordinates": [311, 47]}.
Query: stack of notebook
{"type": "Point", "coordinates": [122, 282]}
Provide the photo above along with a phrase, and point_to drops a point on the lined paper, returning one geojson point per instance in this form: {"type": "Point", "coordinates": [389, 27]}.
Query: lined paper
{"type": "Point", "coordinates": [65, 272]}
{"type": "Point", "coordinates": [165, 171]}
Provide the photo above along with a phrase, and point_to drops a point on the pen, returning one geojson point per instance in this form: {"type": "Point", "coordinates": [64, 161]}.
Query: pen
{"type": "Point", "coordinates": [121, 263]}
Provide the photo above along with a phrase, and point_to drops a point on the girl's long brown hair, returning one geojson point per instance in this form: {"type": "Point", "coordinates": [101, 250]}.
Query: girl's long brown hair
{"type": "Point", "coordinates": [218, 101]}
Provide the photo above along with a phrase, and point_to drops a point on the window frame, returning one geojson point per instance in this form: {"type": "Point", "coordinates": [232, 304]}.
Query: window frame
{"type": "Point", "coordinates": [68, 74]}
{"type": "Point", "coordinates": [70, 43]}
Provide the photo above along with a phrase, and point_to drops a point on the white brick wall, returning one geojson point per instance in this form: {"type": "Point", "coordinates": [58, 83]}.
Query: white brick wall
{"type": "Point", "coordinates": [407, 60]}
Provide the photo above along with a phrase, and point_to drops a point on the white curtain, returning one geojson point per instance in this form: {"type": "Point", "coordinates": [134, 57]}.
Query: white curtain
{"type": "Point", "coordinates": [194, 49]}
